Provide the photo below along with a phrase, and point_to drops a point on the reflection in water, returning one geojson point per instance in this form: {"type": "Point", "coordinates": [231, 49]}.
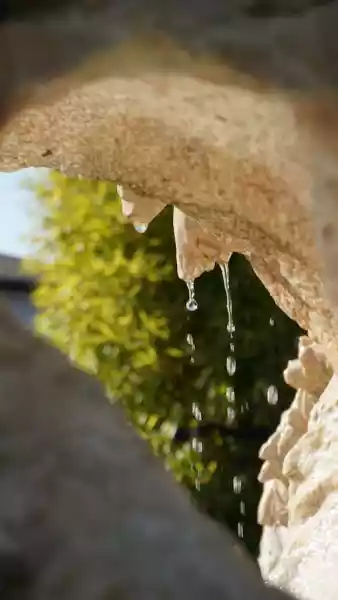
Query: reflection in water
{"type": "Point", "coordinates": [191, 343]}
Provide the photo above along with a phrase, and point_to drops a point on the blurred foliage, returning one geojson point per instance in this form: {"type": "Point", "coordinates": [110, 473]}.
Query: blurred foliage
{"type": "Point", "coordinates": [110, 298]}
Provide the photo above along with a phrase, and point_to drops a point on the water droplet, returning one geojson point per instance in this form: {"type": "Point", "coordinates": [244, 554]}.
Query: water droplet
{"type": "Point", "coordinates": [237, 484]}
{"type": "Point", "coordinates": [226, 282]}
{"type": "Point", "coordinates": [197, 445]}
{"type": "Point", "coordinates": [196, 411]}
{"type": "Point", "coordinates": [141, 227]}
{"type": "Point", "coordinates": [272, 394]}
{"type": "Point", "coordinates": [119, 189]}
{"type": "Point", "coordinates": [242, 507]}
{"type": "Point", "coordinates": [271, 322]}
{"type": "Point", "coordinates": [240, 530]}
{"type": "Point", "coordinates": [230, 394]}
{"type": "Point", "coordinates": [190, 341]}
{"type": "Point", "coordinates": [231, 415]}
{"type": "Point", "coordinates": [231, 365]}
{"type": "Point", "coordinates": [191, 303]}
{"type": "Point", "coordinates": [232, 347]}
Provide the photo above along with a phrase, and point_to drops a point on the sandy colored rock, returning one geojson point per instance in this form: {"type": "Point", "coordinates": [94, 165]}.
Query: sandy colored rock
{"type": "Point", "coordinates": [233, 159]}
{"type": "Point", "coordinates": [238, 167]}
{"type": "Point", "coordinates": [311, 370]}
{"type": "Point", "coordinates": [196, 249]}
{"type": "Point", "coordinates": [304, 558]}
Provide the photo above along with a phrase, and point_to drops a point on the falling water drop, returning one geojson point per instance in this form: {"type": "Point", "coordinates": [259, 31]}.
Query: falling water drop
{"type": "Point", "coordinates": [242, 507]}
{"type": "Point", "coordinates": [272, 394]}
{"type": "Point", "coordinates": [141, 227]}
{"type": "Point", "coordinates": [237, 484]}
{"type": "Point", "coordinates": [231, 415]}
{"type": "Point", "coordinates": [231, 365]}
{"type": "Point", "coordinates": [240, 530]}
{"type": "Point", "coordinates": [196, 411]}
{"type": "Point", "coordinates": [191, 303]}
{"type": "Point", "coordinates": [226, 281]}
{"type": "Point", "coordinates": [191, 343]}
{"type": "Point", "coordinates": [230, 393]}
{"type": "Point", "coordinates": [272, 322]}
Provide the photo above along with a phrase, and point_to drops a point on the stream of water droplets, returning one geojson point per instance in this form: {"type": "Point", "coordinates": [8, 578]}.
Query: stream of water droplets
{"type": "Point", "coordinates": [231, 369]}
{"type": "Point", "coordinates": [231, 360]}
{"type": "Point", "coordinates": [192, 306]}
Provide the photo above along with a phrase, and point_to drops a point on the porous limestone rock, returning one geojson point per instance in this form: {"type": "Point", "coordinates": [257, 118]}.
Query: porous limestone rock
{"type": "Point", "coordinates": [229, 157]}
{"type": "Point", "coordinates": [233, 162]}
{"type": "Point", "coordinates": [299, 510]}
{"type": "Point", "coordinates": [86, 511]}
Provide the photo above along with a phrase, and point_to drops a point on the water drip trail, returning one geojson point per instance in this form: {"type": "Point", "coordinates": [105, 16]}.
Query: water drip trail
{"type": "Point", "coordinates": [230, 393]}
{"type": "Point", "coordinates": [226, 281]}
{"type": "Point", "coordinates": [140, 227]}
{"type": "Point", "coordinates": [231, 360]}
{"type": "Point", "coordinates": [192, 306]}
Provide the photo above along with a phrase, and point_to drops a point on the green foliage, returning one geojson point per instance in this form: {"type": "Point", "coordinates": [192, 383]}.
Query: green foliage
{"type": "Point", "coordinates": [111, 299]}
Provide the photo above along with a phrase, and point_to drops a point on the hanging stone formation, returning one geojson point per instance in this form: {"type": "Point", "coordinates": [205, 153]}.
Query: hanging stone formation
{"type": "Point", "coordinates": [191, 302]}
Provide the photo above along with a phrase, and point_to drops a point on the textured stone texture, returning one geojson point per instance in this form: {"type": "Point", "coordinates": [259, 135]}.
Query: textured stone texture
{"type": "Point", "coordinates": [231, 158]}
{"type": "Point", "coordinates": [238, 166]}
{"type": "Point", "coordinates": [299, 504]}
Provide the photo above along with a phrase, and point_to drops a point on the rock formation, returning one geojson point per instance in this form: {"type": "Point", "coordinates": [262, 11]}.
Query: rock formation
{"type": "Point", "coordinates": [299, 504]}
{"type": "Point", "coordinates": [234, 164]}
{"type": "Point", "coordinates": [187, 142]}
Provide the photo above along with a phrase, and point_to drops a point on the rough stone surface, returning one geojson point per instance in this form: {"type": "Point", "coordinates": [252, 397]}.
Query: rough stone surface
{"type": "Point", "coordinates": [299, 504]}
{"type": "Point", "coordinates": [240, 169]}
{"type": "Point", "coordinates": [231, 158]}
